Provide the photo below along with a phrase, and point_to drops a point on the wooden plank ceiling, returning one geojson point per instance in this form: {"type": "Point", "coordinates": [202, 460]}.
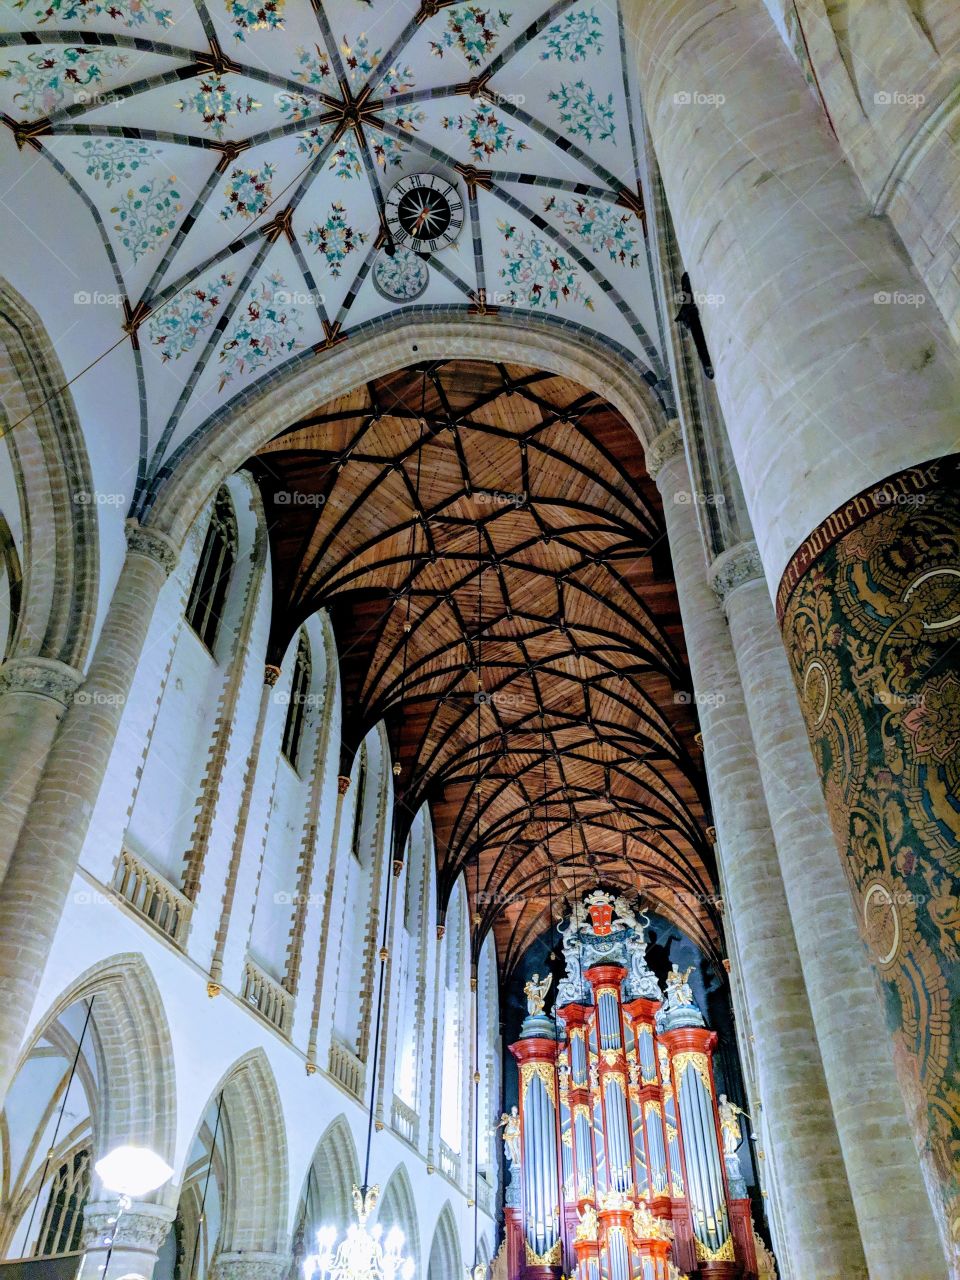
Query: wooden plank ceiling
{"type": "Point", "coordinates": [491, 552]}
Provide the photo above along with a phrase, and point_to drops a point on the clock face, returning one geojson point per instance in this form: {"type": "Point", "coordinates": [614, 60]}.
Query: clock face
{"type": "Point", "coordinates": [424, 212]}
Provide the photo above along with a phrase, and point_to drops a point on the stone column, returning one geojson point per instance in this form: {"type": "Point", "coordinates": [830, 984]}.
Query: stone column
{"type": "Point", "coordinates": [820, 1235]}
{"type": "Point", "coordinates": [839, 386]}
{"type": "Point", "coordinates": [34, 693]}
{"type": "Point", "coordinates": [45, 858]}
{"type": "Point", "coordinates": [136, 1235]}
{"type": "Point", "coordinates": [896, 1224]}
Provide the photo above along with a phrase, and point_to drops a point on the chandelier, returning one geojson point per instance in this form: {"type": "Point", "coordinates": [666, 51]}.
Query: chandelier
{"type": "Point", "coordinates": [364, 1253]}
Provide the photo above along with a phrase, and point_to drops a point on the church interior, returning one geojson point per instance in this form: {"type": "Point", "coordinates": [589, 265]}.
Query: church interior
{"type": "Point", "coordinates": [480, 640]}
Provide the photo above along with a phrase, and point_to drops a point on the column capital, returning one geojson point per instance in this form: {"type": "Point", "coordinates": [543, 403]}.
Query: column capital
{"type": "Point", "coordinates": [734, 568]}
{"type": "Point", "coordinates": [43, 677]}
{"type": "Point", "coordinates": [664, 446]}
{"type": "Point", "coordinates": [152, 544]}
{"type": "Point", "coordinates": [142, 1226]}
{"type": "Point", "coordinates": [251, 1266]}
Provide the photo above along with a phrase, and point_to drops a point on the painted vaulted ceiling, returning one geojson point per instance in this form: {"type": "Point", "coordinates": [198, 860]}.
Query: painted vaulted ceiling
{"type": "Point", "coordinates": [226, 164]}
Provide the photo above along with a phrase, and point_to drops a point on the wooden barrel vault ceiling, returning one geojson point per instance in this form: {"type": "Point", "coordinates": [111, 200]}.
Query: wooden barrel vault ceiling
{"type": "Point", "coordinates": [492, 555]}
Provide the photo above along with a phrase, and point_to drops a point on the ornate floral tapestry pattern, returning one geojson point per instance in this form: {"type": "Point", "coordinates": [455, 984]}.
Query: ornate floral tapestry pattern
{"type": "Point", "coordinates": [870, 609]}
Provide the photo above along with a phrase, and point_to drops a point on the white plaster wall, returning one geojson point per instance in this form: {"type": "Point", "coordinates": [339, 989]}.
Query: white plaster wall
{"type": "Point", "coordinates": [150, 798]}
{"type": "Point", "coordinates": [209, 1035]}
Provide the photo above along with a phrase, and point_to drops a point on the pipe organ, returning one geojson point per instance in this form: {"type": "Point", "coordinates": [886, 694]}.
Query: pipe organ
{"type": "Point", "coordinates": [623, 1160]}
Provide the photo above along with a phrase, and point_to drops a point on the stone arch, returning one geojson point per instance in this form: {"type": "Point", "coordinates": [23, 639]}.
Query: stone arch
{"type": "Point", "coordinates": [230, 437]}
{"type": "Point", "coordinates": [254, 1208]}
{"type": "Point", "coordinates": [446, 1257]}
{"type": "Point", "coordinates": [326, 1196]}
{"type": "Point", "coordinates": [137, 1097]}
{"type": "Point", "coordinates": [398, 1208]}
{"type": "Point", "coordinates": [334, 1172]}
{"type": "Point", "coordinates": [60, 557]}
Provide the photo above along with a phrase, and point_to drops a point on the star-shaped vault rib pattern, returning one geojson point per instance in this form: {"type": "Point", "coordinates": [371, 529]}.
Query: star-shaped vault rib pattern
{"type": "Point", "coordinates": [487, 545]}
{"type": "Point", "coordinates": [330, 95]}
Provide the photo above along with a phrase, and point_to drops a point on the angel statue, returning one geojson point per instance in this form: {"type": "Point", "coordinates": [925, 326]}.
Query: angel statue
{"type": "Point", "coordinates": [536, 992]}
{"type": "Point", "coordinates": [730, 1115]}
{"type": "Point", "coordinates": [678, 986]}
{"type": "Point", "coordinates": [587, 1227]}
{"type": "Point", "coordinates": [510, 1124]}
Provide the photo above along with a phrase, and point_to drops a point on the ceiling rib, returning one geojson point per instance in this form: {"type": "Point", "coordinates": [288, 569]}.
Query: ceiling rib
{"type": "Point", "coordinates": [489, 548]}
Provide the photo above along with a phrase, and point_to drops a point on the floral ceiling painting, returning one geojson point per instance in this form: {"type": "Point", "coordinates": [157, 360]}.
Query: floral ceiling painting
{"type": "Point", "coordinates": [234, 161]}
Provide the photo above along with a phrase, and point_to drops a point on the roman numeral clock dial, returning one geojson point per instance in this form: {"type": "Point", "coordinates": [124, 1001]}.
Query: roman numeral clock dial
{"type": "Point", "coordinates": [424, 213]}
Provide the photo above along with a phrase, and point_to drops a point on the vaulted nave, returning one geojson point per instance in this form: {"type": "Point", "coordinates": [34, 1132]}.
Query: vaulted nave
{"type": "Point", "coordinates": [479, 632]}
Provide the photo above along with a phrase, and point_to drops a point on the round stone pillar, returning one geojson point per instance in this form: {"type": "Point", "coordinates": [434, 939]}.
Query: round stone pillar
{"type": "Point", "coordinates": [896, 1223]}
{"type": "Point", "coordinates": [820, 1233]}
{"type": "Point", "coordinates": [45, 858]}
{"type": "Point", "coordinates": [839, 385]}
{"type": "Point", "coordinates": [34, 693]}
{"type": "Point", "coordinates": [125, 1243]}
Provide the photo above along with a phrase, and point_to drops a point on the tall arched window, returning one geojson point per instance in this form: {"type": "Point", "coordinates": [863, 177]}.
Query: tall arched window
{"type": "Point", "coordinates": [296, 708]}
{"type": "Point", "coordinates": [454, 1056]}
{"type": "Point", "coordinates": [210, 583]}
{"type": "Point", "coordinates": [358, 809]}
{"type": "Point", "coordinates": [63, 1215]}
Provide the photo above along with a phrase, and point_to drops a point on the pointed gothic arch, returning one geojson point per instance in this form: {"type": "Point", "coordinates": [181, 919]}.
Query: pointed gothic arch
{"type": "Point", "coordinates": [326, 1194]}
{"type": "Point", "coordinates": [254, 1197]}
{"type": "Point", "coordinates": [398, 1208]}
{"type": "Point", "coordinates": [134, 1051]}
{"type": "Point", "coordinates": [446, 1256]}
{"type": "Point", "coordinates": [60, 554]}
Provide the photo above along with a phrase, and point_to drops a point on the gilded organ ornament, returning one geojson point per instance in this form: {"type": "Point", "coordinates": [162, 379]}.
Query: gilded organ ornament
{"type": "Point", "coordinates": [615, 1155]}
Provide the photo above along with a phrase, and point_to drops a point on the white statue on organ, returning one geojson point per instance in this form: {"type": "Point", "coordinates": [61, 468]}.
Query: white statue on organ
{"type": "Point", "coordinates": [536, 992]}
